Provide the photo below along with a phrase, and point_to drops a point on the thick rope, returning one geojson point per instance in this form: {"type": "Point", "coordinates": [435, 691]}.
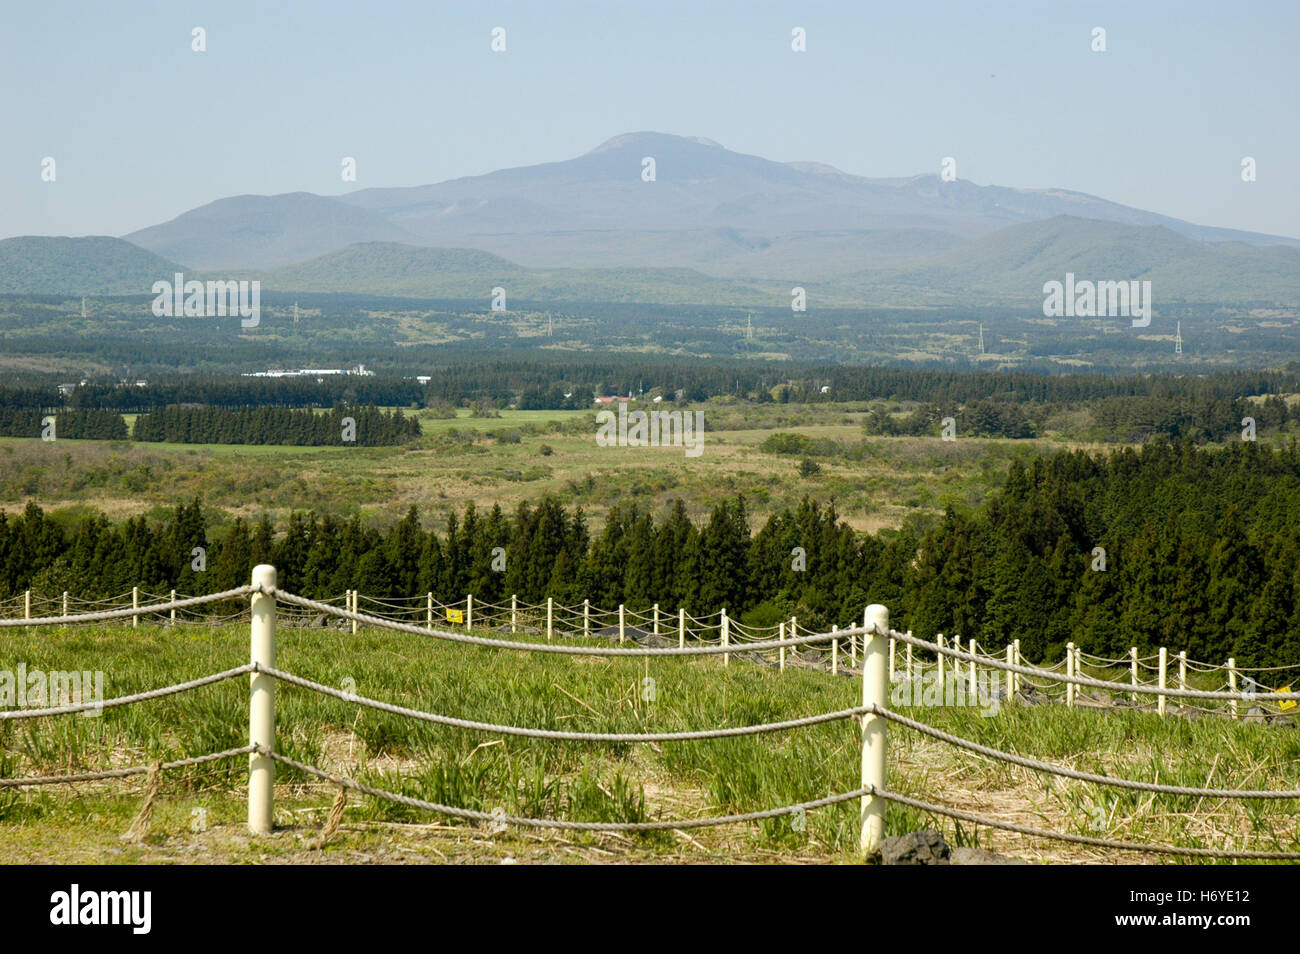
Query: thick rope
{"type": "Point", "coordinates": [142, 610]}
{"type": "Point", "coordinates": [1095, 683]}
{"type": "Point", "coordinates": [1065, 772]}
{"type": "Point", "coordinates": [126, 700]}
{"type": "Point", "coordinates": [1081, 839]}
{"type": "Point", "coordinates": [559, 648]}
{"type": "Point", "coordinates": [666, 825]}
{"type": "Point", "coordinates": [140, 826]}
{"type": "Point", "coordinates": [560, 734]}
{"type": "Point", "coordinates": [121, 772]}
{"type": "Point", "coordinates": [332, 822]}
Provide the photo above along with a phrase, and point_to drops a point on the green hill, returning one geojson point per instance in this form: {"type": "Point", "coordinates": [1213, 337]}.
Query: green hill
{"type": "Point", "coordinates": [388, 268]}
{"type": "Point", "coordinates": [1011, 265]}
{"type": "Point", "coordinates": [98, 265]}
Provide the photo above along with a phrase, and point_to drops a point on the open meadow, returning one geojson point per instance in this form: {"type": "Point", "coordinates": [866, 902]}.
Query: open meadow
{"type": "Point", "coordinates": [519, 456]}
{"type": "Point", "coordinates": [198, 813]}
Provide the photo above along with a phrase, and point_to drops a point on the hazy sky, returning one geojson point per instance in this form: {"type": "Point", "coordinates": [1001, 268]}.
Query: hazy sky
{"type": "Point", "coordinates": [142, 128]}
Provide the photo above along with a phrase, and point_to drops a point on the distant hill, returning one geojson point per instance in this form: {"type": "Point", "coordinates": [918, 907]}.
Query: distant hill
{"type": "Point", "coordinates": [407, 271]}
{"type": "Point", "coordinates": [258, 231]}
{"type": "Point", "coordinates": [722, 212]}
{"type": "Point", "coordinates": [1006, 267]}
{"type": "Point", "coordinates": [1013, 264]}
{"type": "Point", "coordinates": [100, 265]}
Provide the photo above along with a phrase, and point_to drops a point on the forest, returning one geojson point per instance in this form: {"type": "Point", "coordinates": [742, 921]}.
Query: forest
{"type": "Point", "coordinates": [1171, 544]}
{"type": "Point", "coordinates": [369, 426]}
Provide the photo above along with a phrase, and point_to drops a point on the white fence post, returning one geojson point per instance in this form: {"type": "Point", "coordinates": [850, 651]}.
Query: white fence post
{"type": "Point", "coordinates": [1069, 672]}
{"type": "Point", "coordinates": [1133, 668]}
{"type": "Point", "coordinates": [781, 636]}
{"type": "Point", "coordinates": [909, 658]}
{"type": "Point", "coordinates": [875, 692]}
{"type": "Point", "coordinates": [514, 612]}
{"type": "Point", "coordinates": [1182, 669]}
{"type": "Point", "coordinates": [135, 603]}
{"type": "Point", "coordinates": [1015, 682]}
{"type": "Point", "coordinates": [726, 637]}
{"type": "Point", "coordinates": [892, 650]}
{"type": "Point", "coordinates": [469, 612]}
{"type": "Point", "coordinates": [261, 704]}
{"type": "Point", "coordinates": [356, 602]}
{"type": "Point", "coordinates": [173, 608]}
{"type": "Point", "coordinates": [27, 605]}
{"type": "Point", "coordinates": [835, 652]}
{"type": "Point", "coordinates": [1232, 684]}
{"type": "Point", "coordinates": [940, 659]}
{"type": "Point", "coordinates": [65, 603]}
{"type": "Point", "coordinates": [972, 671]}
{"type": "Point", "coordinates": [681, 628]}
{"type": "Point", "coordinates": [656, 619]}
{"type": "Point", "coordinates": [622, 623]}
{"type": "Point", "coordinates": [428, 611]}
{"type": "Point", "coordinates": [1011, 676]}
{"type": "Point", "coordinates": [1164, 667]}
{"type": "Point", "coordinates": [550, 617]}
{"type": "Point", "coordinates": [586, 617]}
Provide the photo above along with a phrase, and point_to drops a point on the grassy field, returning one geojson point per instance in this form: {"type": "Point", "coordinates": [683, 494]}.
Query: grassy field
{"type": "Point", "coordinates": [522, 456]}
{"type": "Point", "coordinates": [200, 812]}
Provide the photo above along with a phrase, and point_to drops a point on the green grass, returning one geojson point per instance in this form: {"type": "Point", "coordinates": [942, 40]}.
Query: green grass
{"type": "Point", "coordinates": [590, 781]}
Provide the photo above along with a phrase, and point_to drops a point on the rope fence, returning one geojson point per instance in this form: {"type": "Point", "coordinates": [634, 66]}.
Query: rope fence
{"type": "Point", "coordinates": [880, 655]}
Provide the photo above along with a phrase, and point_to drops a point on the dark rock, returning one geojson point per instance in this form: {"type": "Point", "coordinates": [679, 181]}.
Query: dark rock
{"type": "Point", "coordinates": [915, 848]}
{"type": "Point", "coordinates": [1255, 714]}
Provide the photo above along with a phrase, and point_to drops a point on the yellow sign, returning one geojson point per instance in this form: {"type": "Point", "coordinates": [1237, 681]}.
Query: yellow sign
{"type": "Point", "coordinates": [1285, 703]}
{"type": "Point", "coordinates": [455, 616]}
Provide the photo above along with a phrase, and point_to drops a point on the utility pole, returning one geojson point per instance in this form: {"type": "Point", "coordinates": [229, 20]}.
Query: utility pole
{"type": "Point", "coordinates": [981, 339]}
{"type": "Point", "coordinates": [1178, 338]}
{"type": "Point", "coordinates": [83, 307]}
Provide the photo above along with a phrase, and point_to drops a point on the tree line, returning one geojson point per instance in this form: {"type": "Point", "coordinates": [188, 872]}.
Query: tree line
{"type": "Point", "coordinates": [74, 424]}
{"type": "Point", "coordinates": [1170, 544]}
{"type": "Point", "coordinates": [541, 382]}
{"type": "Point", "coordinates": [365, 426]}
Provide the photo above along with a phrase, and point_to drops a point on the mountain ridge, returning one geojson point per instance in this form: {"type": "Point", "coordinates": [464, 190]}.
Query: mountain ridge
{"type": "Point", "coordinates": [553, 214]}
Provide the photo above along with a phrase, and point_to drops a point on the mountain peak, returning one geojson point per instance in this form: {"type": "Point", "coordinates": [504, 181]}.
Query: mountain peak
{"type": "Point", "coordinates": [651, 138]}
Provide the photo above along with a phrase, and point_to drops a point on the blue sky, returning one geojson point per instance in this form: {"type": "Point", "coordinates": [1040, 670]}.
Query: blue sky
{"type": "Point", "coordinates": [142, 128]}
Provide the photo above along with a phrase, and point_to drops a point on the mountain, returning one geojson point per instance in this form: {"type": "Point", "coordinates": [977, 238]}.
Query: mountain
{"type": "Point", "coordinates": [98, 265]}
{"type": "Point", "coordinates": [1006, 267]}
{"type": "Point", "coordinates": [722, 212]}
{"type": "Point", "coordinates": [259, 231]}
{"type": "Point", "coordinates": [1009, 266]}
